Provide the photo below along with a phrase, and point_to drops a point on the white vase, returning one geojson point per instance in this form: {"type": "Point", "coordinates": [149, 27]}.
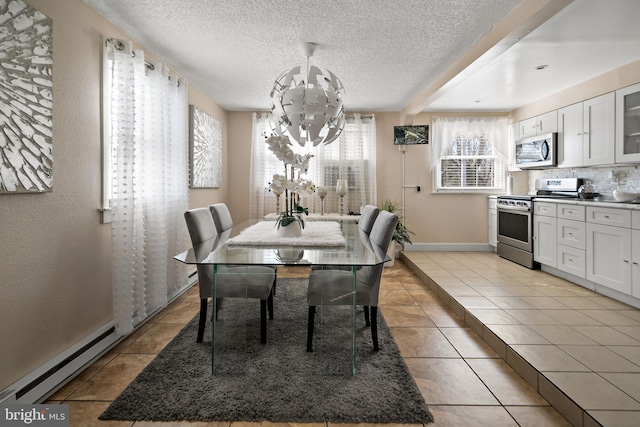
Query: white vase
{"type": "Point", "coordinates": [293, 229]}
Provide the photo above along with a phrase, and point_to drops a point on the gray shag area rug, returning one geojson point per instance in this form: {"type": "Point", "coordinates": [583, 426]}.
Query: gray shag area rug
{"type": "Point", "coordinates": [280, 381]}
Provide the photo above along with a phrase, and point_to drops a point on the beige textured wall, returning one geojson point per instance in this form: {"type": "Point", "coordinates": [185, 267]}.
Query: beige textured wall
{"type": "Point", "coordinates": [55, 273]}
{"type": "Point", "coordinates": [239, 164]}
{"type": "Point", "coordinates": [207, 196]}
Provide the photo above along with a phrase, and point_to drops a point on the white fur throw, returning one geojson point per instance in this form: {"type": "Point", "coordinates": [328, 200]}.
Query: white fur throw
{"type": "Point", "coordinates": [315, 233]}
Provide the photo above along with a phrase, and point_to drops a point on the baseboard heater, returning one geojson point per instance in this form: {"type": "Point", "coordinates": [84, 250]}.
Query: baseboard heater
{"type": "Point", "coordinates": [48, 378]}
{"type": "Point", "coordinates": [42, 382]}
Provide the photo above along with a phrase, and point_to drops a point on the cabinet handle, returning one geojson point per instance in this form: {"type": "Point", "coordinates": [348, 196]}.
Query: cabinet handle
{"type": "Point", "coordinates": [634, 263]}
{"type": "Point", "coordinates": [570, 234]}
{"type": "Point", "coordinates": [626, 260]}
{"type": "Point", "coordinates": [606, 216]}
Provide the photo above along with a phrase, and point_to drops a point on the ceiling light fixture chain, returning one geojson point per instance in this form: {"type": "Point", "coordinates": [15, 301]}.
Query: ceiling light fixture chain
{"type": "Point", "coordinates": [308, 107]}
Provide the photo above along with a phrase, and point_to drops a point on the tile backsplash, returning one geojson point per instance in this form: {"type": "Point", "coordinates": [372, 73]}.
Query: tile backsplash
{"type": "Point", "coordinates": [606, 179]}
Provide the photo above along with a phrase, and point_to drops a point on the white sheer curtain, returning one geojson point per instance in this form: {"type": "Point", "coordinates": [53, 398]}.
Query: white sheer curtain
{"type": "Point", "coordinates": [352, 157]}
{"type": "Point", "coordinates": [484, 136]}
{"type": "Point", "coordinates": [146, 119]}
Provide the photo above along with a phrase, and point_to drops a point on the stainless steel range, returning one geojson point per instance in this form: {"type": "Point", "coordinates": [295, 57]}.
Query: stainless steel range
{"type": "Point", "coordinates": [515, 218]}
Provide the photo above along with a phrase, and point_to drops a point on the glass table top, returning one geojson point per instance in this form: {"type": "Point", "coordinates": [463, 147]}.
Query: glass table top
{"type": "Point", "coordinates": [358, 251]}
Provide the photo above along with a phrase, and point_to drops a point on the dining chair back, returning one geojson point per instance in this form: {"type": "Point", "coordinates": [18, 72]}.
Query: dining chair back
{"type": "Point", "coordinates": [335, 287]}
{"type": "Point", "coordinates": [221, 217]}
{"type": "Point", "coordinates": [368, 218]}
{"type": "Point", "coordinates": [231, 281]}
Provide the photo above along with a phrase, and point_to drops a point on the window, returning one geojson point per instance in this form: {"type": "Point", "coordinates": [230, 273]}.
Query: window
{"type": "Point", "coordinates": [352, 157]}
{"type": "Point", "coordinates": [467, 155]}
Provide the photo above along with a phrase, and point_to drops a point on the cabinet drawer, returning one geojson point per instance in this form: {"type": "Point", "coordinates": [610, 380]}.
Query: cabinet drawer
{"type": "Point", "coordinates": [571, 233]}
{"type": "Point", "coordinates": [635, 220]}
{"type": "Point", "coordinates": [572, 260]}
{"type": "Point", "coordinates": [493, 204]}
{"type": "Point", "coordinates": [544, 208]}
{"type": "Point", "coordinates": [609, 216]}
{"type": "Point", "coordinates": [574, 212]}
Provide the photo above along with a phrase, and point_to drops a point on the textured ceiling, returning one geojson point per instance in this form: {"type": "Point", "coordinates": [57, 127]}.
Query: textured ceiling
{"type": "Point", "coordinates": [384, 51]}
{"type": "Point", "coordinates": [391, 55]}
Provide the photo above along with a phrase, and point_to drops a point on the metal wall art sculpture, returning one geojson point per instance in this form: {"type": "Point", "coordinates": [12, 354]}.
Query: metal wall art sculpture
{"type": "Point", "coordinates": [26, 101]}
{"type": "Point", "coordinates": [205, 152]}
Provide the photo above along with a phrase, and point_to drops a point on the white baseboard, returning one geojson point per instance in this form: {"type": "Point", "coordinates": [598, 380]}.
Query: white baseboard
{"type": "Point", "coordinates": [448, 247]}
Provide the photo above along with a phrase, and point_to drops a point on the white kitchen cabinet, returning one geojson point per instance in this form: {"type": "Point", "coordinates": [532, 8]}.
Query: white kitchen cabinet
{"type": "Point", "coordinates": [598, 130]}
{"type": "Point", "coordinates": [571, 239]}
{"type": "Point", "coordinates": [514, 135]}
{"type": "Point", "coordinates": [571, 233]}
{"type": "Point", "coordinates": [635, 263]}
{"type": "Point", "coordinates": [609, 256]}
{"type": "Point", "coordinates": [572, 260]}
{"type": "Point", "coordinates": [628, 124]}
{"type": "Point", "coordinates": [544, 240]}
{"type": "Point", "coordinates": [570, 136]}
{"type": "Point", "coordinates": [539, 125]}
{"type": "Point", "coordinates": [586, 132]}
{"type": "Point", "coordinates": [493, 222]}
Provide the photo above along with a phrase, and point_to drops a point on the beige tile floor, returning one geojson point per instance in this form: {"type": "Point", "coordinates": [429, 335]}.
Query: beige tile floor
{"type": "Point", "coordinates": [579, 350]}
{"type": "Point", "coordinates": [463, 322]}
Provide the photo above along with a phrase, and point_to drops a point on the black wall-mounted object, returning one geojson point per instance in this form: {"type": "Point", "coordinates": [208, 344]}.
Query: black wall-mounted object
{"type": "Point", "coordinates": [410, 135]}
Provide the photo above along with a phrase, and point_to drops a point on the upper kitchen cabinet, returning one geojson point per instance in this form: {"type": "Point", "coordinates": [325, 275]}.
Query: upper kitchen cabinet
{"type": "Point", "coordinates": [539, 125]}
{"type": "Point", "coordinates": [570, 136]}
{"type": "Point", "coordinates": [628, 124]}
{"type": "Point", "coordinates": [598, 130]}
{"type": "Point", "coordinates": [586, 132]}
{"type": "Point", "coordinates": [514, 135]}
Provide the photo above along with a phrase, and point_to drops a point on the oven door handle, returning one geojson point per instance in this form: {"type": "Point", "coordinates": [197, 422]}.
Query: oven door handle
{"type": "Point", "coordinates": [514, 208]}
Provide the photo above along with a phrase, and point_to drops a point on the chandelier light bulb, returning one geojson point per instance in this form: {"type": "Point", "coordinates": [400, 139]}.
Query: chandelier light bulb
{"type": "Point", "coordinates": [307, 106]}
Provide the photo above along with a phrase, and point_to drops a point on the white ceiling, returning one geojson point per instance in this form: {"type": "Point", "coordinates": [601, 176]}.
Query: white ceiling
{"type": "Point", "coordinates": [386, 52]}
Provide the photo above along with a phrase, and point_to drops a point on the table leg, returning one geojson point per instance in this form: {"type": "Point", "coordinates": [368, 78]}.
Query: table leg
{"type": "Point", "coordinates": [214, 313]}
{"type": "Point", "coordinates": [354, 270]}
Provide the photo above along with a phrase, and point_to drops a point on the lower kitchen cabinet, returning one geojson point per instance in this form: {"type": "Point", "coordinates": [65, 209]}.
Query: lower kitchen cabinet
{"type": "Point", "coordinates": [493, 222]}
{"type": "Point", "coordinates": [572, 260]}
{"type": "Point", "coordinates": [635, 263]}
{"type": "Point", "coordinates": [609, 256]}
{"type": "Point", "coordinates": [544, 240]}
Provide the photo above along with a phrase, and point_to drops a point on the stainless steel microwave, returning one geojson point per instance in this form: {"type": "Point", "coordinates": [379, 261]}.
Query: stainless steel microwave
{"type": "Point", "coordinates": [537, 151]}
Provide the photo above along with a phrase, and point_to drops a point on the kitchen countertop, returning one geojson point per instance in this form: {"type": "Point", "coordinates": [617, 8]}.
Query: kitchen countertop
{"type": "Point", "coordinates": [634, 205]}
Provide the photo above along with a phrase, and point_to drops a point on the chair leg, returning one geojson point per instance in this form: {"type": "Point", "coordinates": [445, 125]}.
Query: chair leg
{"type": "Point", "coordinates": [312, 314]}
{"type": "Point", "coordinates": [263, 321]}
{"type": "Point", "coordinates": [275, 279]}
{"type": "Point", "coordinates": [366, 316]}
{"type": "Point", "coordinates": [374, 327]}
{"type": "Point", "coordinates": [270, 304]}
{"type": "Point", "coordinates": [203, 319]}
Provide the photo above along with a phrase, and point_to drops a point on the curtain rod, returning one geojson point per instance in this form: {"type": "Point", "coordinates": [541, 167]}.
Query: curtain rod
{"type": "Point", "coordinates": [120, 46]}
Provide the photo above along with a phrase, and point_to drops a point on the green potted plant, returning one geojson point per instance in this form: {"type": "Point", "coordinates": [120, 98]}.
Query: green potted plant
{"type": "Point", "coordinates": [400, 234]}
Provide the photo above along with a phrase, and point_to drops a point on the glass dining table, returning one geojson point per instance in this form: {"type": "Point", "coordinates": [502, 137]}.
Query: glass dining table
{"type": "Point", "coordinates": [356, 251]}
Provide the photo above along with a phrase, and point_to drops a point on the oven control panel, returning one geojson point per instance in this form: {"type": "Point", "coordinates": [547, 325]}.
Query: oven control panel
{"type": "Point", "coordinates": [514, 204]}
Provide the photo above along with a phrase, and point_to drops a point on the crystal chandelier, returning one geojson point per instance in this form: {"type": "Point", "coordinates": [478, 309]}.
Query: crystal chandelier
{"type": "Point", "coordinates": [308, 106]}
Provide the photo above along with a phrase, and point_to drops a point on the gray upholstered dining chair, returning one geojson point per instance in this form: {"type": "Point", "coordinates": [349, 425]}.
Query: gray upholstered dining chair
{"type": "Point", "coordinates": [365, 223]}
{"type": "Point", "coordinates": [335, 287]}
{"type": "Point", "coordinates": [231, 281]}
{"type": "Point", "coordinates": [368, 218]}
{"type": "Point", "coordinates": [224, 222]}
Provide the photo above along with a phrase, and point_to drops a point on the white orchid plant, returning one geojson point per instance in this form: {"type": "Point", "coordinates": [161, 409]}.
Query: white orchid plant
{"type": "Point", "coordinates": [291, 183]}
